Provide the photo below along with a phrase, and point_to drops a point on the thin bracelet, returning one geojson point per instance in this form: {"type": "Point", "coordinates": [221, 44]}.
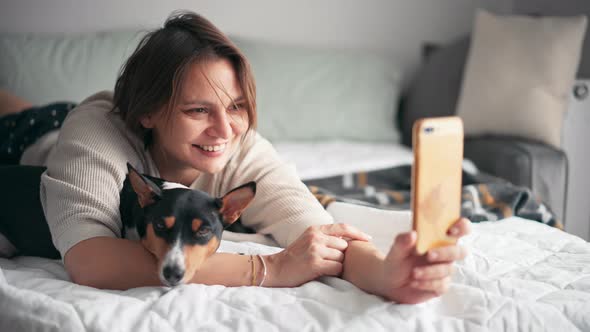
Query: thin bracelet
{"type": "Point", "coordinates": [253, 271]}
{"type": "Point", "coordinates": [263, 273]}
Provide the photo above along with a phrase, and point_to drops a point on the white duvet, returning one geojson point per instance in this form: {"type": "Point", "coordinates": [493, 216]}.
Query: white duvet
{"type": "Point", "coordinates": [520, 275]}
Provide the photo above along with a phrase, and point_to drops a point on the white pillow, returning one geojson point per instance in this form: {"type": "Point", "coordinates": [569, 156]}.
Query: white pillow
{"type": "Point", "coordinates": [518, 75]}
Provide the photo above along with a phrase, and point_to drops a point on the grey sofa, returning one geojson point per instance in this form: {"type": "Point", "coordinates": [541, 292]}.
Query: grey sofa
{"type": "Point", "coordinates": [434, 92]}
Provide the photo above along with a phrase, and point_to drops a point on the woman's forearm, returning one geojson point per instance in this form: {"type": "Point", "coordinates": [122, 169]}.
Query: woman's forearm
{"type": "Point", "coordinates": [363, 266]}
{"type": "Point", "coordinates": [236, 270]}
{"type": "Point", "coordinates": [113, 263]}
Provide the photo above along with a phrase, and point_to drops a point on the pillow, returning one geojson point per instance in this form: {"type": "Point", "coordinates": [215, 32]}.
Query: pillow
{"type": "Point", "coordinates": [48, 68]}
{"type": "Point", "coordinates": [314, 93]}
{"type": "Point", "coordinates": [434, 91]}
{"type": "Point", "coordinates": [304, 93]}
{"type": "Point", "coordinates": [518, 75]}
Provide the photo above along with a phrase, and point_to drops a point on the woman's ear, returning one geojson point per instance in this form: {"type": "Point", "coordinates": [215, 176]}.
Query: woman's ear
{"type": "Point", "coordinates": [147, 121]}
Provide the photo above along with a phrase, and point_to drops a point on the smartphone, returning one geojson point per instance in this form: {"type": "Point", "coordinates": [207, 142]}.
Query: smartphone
{"type": "Point", "coordinates": [436, 179]}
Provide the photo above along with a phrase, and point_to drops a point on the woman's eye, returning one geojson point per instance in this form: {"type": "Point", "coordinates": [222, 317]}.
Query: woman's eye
{"type": "Point", "coordinates": [160, 225]}
{"type": "Point", "coordinates": [198, 110]}
{"type": "Point", "coordinates": [236, 107]}
{"type": "Point", "coordinates": [203, 232]}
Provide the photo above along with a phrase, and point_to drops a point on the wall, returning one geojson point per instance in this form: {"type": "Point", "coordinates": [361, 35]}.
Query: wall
{"type": "Point", "coordinates": [395, 26]}
{"type": "Point", "coordinates": [560, 8]}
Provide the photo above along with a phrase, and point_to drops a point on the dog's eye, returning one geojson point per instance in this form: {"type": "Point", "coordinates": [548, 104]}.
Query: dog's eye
{"type": "Point", "coordinates": [203, 232]}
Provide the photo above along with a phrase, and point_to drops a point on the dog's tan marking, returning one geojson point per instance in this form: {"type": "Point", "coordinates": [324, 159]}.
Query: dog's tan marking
{"type": "Point", "coordinates": [155, 244]}
{"type": "Point", "coordinates": [169, 221]}
{"type": "Point", "coordinates": [196, 224]}
{"type": "Point", "coordinates": [197, 254]}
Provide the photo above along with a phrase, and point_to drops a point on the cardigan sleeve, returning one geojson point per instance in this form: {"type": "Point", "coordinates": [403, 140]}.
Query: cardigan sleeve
{"type": "Point", "coordinates": [80, 188]}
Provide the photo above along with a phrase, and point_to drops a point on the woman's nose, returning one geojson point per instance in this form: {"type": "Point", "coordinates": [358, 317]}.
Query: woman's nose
{"type": "Point", "coordinates": [221, 126]}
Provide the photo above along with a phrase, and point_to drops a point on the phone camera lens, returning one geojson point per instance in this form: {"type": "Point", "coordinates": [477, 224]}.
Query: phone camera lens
{"type": "Point", "coordinates": [428, 130]}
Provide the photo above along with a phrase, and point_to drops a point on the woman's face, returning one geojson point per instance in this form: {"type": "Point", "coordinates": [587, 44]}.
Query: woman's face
{"type": "Point", "coordinates": [206, 126]}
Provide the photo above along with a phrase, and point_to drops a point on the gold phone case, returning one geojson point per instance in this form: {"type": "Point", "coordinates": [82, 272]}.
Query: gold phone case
{"type": "Point", "coordinates": [436, 179]}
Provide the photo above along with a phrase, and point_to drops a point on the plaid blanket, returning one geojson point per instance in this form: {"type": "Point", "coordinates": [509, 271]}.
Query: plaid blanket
{"type": "Point", "coordinates": [484, 197]}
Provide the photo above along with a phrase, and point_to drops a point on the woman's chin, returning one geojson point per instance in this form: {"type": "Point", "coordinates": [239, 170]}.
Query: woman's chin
{"type": "Point", "coordinates": [209, 167]}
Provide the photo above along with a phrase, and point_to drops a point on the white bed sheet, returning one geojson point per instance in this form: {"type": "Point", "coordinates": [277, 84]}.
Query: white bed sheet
{"type": "Point", "coordinates": [520, 275]}
{"type": "Point", "coordinates": [332, 158]}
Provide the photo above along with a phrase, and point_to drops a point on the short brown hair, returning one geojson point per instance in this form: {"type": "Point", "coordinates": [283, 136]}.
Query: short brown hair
{"type": "Point", "coordinates": [151, 76]}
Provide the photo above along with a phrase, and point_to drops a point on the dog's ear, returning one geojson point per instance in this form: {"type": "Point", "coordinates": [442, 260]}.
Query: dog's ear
{"type": "Point", "coordinates": [235, 201]}
{"type": "Point", "coordinates": [147, 191]}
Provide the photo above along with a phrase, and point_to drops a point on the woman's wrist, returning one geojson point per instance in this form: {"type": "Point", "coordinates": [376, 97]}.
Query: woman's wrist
{"type": "Point", "coordinates": [272, 263]}
{"type": "Point", "coordinates": [262, 272]}
{"type": "Point", "coordinates": [363, 266]}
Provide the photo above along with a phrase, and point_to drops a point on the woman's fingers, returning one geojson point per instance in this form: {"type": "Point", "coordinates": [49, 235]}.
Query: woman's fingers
{"type": "Point", "coordinates": [331, 268]}
{"type": "Point", "coordinates": [446, 254]}
{"type": "Point", "coordinates": [335, 243]}
{"type": "Point", "coordinates": [343, 230]}
{"type": "Point", "coordinates": [403, 246]}
{"type": "Point", "coordinates": [460, 228]}
{"type": "Point", "coordinates": [332, 254]}
{"type": "Point", "coordinates": [430, 272]}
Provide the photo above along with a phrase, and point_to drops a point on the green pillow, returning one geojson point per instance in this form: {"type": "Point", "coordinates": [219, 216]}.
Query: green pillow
{"type": "Point", "coordinates": [48, 68]}
{"type": "Point", "coordinates": [304, 93]}
{"type": "Point", "coordinates": [313, 94]}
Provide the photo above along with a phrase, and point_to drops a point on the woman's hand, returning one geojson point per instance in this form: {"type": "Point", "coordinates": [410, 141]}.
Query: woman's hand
{"type": "Point", "coordinates": [412, 278]}
{"type": "Point", "coordinates": [317, 252]}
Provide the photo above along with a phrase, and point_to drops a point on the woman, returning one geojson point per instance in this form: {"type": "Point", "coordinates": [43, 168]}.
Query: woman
{"type": "Point", "coordinates": [184, 109]}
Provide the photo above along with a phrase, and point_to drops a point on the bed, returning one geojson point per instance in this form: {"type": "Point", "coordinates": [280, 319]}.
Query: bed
{"type": "Point", "coordinates": [520, 275]}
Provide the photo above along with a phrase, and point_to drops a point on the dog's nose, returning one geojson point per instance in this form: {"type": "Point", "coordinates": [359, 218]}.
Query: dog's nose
{"type": "Point", "coordinates": [173, 274]}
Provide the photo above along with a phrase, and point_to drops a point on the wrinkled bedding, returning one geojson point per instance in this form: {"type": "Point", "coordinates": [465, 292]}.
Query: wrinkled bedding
{"type": "Point", "coordinates": [318, 160]}
{"type": "Point", "coordinates": [520, 275]}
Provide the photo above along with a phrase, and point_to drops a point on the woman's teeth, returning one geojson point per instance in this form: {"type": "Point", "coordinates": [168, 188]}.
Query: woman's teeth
{"type": "Point", "coordinates": [212, 147]}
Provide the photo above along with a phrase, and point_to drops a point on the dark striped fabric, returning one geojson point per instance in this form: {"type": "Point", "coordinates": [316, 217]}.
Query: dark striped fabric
{"type": "Point", "coordinates": [484, 198]}
{"type": "Point", "coordinates": [18, 131]}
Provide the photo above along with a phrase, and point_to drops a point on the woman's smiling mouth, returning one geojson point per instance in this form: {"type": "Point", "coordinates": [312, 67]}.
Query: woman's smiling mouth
{"type": "Point", "coordinates": [212, 148]}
